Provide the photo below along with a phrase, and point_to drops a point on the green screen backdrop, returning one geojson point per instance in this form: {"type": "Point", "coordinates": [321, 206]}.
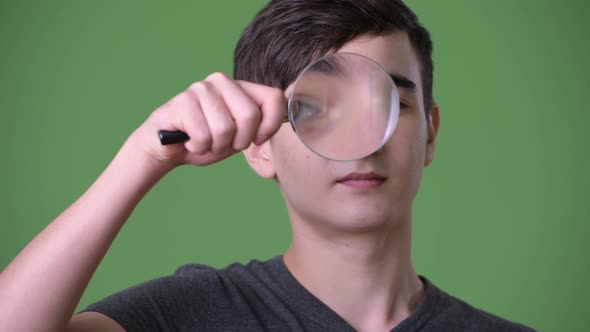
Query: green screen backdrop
{"type": "Point", "coordinates": [501, 219]}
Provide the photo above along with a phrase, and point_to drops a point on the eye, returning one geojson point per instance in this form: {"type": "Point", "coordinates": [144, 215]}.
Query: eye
{"type": "Point", "coordinates": [304, 111]}
{"type": "Point", "coordinates": [403, 105]}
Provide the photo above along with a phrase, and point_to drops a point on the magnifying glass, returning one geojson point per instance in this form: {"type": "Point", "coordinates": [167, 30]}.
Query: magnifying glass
{"type": "Point", "coordinates": [343, 107]}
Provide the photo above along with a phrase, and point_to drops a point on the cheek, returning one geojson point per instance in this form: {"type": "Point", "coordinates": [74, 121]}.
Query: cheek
{"type": "Point", "coordinates": [293, 162]}
{"type": "Point", "coordinates": [407, 150]}
{"type": "Point", "coordinates": [302, 176]}
{"type": "Point", "coordinates": [409, 137]}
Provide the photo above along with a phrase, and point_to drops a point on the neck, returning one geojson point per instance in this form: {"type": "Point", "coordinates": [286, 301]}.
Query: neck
{"type": "Point", "coordinates": [365, 277]}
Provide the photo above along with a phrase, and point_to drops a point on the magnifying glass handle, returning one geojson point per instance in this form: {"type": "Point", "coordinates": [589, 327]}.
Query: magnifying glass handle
{"type": "Point", "coordinates": [172, 137]}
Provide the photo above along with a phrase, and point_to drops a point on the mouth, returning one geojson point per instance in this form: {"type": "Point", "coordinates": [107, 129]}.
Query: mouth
{"type": "Point", "coordinates": [362, 180]}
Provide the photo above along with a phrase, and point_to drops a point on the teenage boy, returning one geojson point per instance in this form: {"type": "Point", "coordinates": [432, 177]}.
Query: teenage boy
{"type": "Point", "coordinates": [348, 266]}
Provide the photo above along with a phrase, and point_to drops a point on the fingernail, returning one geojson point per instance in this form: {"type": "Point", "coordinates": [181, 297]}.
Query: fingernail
{"type": "Point", "coordinates": [260, 139]}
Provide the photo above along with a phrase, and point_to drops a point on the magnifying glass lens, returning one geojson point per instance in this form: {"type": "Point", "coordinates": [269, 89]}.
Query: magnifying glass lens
{"type": "Point", "coordinates": [344, 106]}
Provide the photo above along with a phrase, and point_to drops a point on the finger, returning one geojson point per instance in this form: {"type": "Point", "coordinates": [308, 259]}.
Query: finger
{"type": "Point", "coordinates": [243, 109]}
{"type": "Point", "coordinates": [191, 120]}
{"type": "Point", "coordinates": [208, 158]}
{"type": "Point", "coordinates": [273, 107]}
{"type": "Point", "coordinates": [219, 119]}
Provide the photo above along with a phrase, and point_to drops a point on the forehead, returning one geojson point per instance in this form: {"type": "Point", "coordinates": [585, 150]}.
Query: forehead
{"type": "Point", "coordinates": [393, 51]}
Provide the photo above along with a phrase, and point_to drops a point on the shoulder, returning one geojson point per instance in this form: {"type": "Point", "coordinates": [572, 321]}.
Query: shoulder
{"type": "Point", "coordinates": [225, 285]}
{"type": "Point", "coordinates": [193, 271]}
{"type": "Point", "coordinates": [164, 303]}
{"type": "Point", "coordinates": [452, 313]}
{"type": "Point", "coordinates": [187, 278]}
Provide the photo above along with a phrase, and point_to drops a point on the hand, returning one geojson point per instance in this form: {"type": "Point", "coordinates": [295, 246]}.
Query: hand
{"type": "Point", "coordinates": [221, 116]}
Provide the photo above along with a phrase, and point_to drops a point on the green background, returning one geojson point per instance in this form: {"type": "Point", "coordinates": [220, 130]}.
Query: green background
{"type": "Point", "coordinates": [501, 219]}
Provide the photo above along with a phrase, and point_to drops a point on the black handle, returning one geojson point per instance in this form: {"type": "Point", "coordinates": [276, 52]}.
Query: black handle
{"type": "Point", "coordinates": [173, 137]}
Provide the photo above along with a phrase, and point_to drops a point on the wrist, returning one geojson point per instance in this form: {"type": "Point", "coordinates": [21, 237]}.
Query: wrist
{"type": "Point", "coordinates": [134, 158]}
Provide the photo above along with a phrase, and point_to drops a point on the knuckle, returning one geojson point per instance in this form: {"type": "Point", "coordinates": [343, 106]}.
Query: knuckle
{"type": "Point", "coordinates": [216, 77]}
{"type": "Point", "coordinates": [249, 115]}
{"type": "Point", "coordinates": [225, 130]}
{"type": "Point", "coordinates": [176, 106]}
{"type": "Point", "coordinates": [187, 97]}
{"type": "Point", "coordinates": [191, 146]}
{"type": "Point", "coordinates": [194, 86]}
{"type": "Point", "coordinates": [201, 87]}
{"type": "Point", "coordinates": [183, 98]}
{"type": "Point", "coordinates": [201, 138]}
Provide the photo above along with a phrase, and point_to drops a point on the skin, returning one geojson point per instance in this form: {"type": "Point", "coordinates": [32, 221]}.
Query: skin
{"type": "Point", "coordinates": [360, 240]}
{"type": "Point", "coordinates": [220, 115]}
{"type": "Point", "coordinates": [350, 245]}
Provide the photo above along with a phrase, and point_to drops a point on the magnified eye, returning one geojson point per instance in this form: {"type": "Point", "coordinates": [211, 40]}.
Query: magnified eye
{"type": "Point", "coordinates": [305, 111]}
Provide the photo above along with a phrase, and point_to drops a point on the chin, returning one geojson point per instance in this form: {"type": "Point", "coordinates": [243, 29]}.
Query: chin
{"type": "Point", "coordinates": [367, 218]}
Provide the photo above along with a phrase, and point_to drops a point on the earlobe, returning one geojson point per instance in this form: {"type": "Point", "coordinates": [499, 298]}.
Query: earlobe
{"type": "Point", "coordinates": [259, 159]}
{"type": "Point", "coordinates": [432, 125]}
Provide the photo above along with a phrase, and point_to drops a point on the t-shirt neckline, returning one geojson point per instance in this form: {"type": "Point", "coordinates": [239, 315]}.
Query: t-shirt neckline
{"type": "Point", "coordinates": [318, 311]}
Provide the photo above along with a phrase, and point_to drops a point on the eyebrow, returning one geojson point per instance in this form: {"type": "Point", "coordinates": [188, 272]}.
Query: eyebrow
{"type": "Point", "coordinates": [333, 67]}
{"type": "Point", "coordinates": [403, 82]}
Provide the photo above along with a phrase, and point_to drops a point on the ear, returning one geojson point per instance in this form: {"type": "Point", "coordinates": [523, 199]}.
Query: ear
{"type": "Point", "coordinates": [432, 123]}
{"type": "Point", "coordinates": [259, 159]}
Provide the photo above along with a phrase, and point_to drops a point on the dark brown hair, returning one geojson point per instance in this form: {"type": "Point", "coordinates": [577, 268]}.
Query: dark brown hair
{"type": "Point", "coordinates": [287, 35]}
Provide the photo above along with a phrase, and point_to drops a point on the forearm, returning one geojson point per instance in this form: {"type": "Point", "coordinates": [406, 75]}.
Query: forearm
{"type": "Point", "coordinates": [41, 287]}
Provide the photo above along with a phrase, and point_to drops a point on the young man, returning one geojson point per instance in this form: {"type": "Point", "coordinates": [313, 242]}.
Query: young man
{"type": "Point", "coordinates": [348, 266]}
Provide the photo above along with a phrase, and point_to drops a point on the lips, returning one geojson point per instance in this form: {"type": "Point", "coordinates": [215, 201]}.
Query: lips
{"type": "Point", "coordinates": [362, 176]}
{"type": "Point", "coordinates": [362, 180]}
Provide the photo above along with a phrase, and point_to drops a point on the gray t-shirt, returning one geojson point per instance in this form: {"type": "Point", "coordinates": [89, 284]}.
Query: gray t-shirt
{"type": "Point", "coordinates": [264, 296]}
